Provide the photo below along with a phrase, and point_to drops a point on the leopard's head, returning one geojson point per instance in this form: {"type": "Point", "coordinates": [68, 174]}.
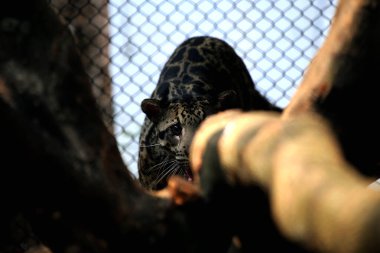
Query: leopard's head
{"type": "Point", "coordinates": [174, 125]}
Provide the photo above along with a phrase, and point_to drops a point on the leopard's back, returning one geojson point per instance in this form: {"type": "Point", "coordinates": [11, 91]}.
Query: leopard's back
{"type": "Point", "coordinates": [204, 75]}
{"type": "Point", "coordinates": [207, 66]}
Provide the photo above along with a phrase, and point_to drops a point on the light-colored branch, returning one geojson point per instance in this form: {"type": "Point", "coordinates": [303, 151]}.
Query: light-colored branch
{"type": "Point", "coordinates": [317, 198]}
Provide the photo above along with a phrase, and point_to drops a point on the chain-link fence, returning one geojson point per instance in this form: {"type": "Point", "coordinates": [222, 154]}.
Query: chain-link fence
{"type": "Point", "coordinates": [276, 39]}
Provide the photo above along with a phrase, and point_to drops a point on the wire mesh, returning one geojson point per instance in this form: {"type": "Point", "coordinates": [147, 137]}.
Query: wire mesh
{"type": "Point", "coordinates": [276, 40]}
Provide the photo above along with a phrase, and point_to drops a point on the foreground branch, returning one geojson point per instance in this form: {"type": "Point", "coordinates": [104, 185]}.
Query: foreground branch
{"type": "Point", "coordinates": [317, 199]}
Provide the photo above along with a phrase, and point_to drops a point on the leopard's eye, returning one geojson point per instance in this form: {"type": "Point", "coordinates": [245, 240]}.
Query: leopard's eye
{"type": "Point", "coordinates": [161, 135]}
{"type": "Point", "coordinates": [176, 129]}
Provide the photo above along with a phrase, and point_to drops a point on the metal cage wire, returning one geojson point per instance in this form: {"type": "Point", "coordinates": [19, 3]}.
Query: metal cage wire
{"type": "Point", "coordinates": [275, 39]}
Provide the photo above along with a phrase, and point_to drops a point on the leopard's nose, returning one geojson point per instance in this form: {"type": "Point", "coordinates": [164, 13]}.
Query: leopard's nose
{"type": "Point", "coordinates": [184, 150]}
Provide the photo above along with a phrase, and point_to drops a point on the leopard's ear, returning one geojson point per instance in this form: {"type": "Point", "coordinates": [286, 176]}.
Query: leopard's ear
{"type": "Point", "coordinates": [151, 107]}
{"type": "Point", "coordinates": [227, 99]}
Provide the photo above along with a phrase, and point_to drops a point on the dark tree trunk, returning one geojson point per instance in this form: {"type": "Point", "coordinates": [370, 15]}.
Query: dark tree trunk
{"type": "Point", "coordinates": [63, 182]}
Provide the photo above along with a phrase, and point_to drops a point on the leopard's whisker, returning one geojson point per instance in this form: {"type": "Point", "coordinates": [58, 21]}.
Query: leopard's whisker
{"type": "Point", "coordinates": [148, 146]}
{"type": "Point", "coordinates": [159, 165]}
{"type": "Point", "coordinates": [166, 172]}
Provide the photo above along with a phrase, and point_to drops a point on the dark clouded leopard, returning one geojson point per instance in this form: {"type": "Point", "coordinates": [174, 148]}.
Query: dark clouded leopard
{"type": "Point", "coordinates": [204, 75]}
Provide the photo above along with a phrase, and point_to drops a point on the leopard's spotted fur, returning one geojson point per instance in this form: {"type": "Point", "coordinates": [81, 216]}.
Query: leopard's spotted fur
{"type": "Point", "coordinates": [204, 75]}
